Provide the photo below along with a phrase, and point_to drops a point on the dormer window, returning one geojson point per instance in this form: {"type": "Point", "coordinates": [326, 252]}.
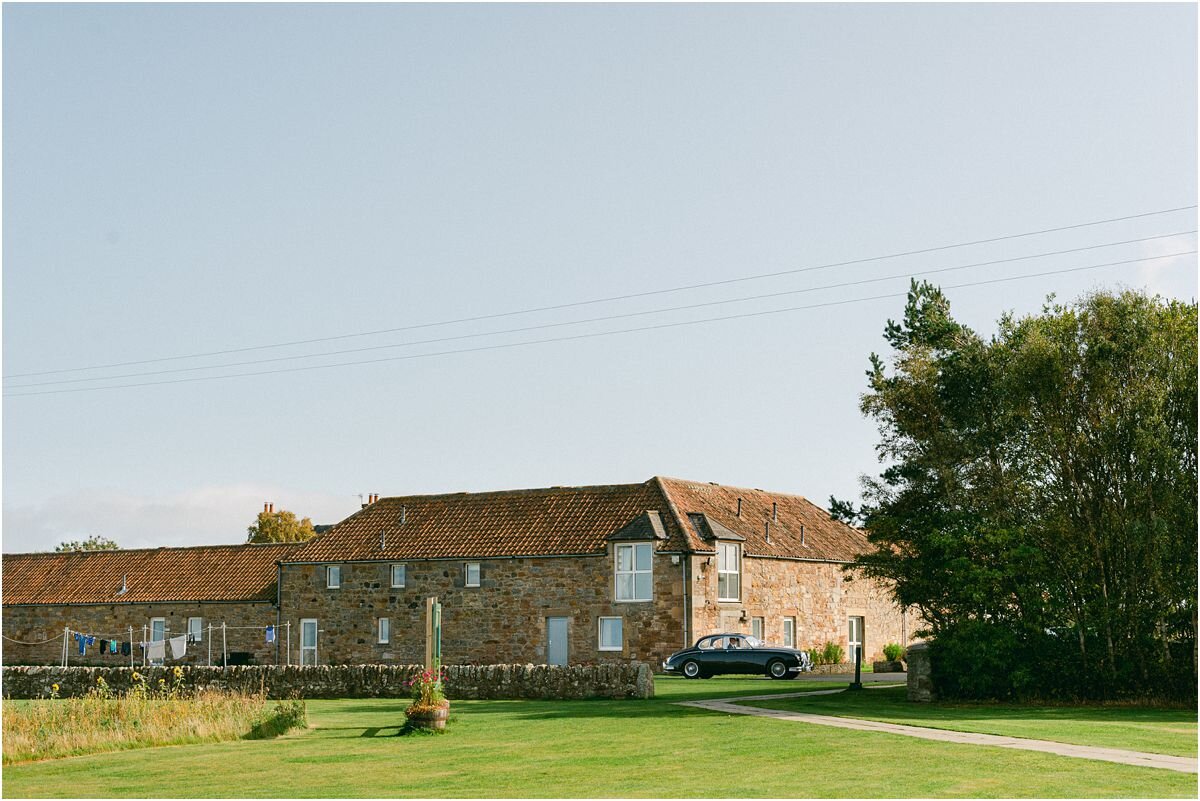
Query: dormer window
{"type": "Point", "coordinates": [729, 571]}
{"type": "Point", "coordinates": [633, 572]}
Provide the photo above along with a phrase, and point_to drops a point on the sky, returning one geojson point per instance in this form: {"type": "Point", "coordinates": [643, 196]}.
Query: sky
{"type": "Point", "coordinates": [191, 179]}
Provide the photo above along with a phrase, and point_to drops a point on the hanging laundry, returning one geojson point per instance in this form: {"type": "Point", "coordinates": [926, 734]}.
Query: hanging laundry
{"type": "Point", "coordinates": [82, 642]}
{"type": "Point", "coordinates": [91, 640]}
{"type": "Point", "coordinates": [156, 651]}
{"type": "Point", "coordinates": [178, 646]}
{"type": "Point", "coordinates": [103, 647]}
{"type": "Point", "coordinates": [270, 634]}
{"type": "Point", "coordinates": [126, 648]}
{"type": "Point", "coordinates": [112, 646]}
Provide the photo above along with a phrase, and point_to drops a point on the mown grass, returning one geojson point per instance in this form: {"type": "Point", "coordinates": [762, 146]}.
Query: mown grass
{"type": "Point", "coordinates": [588, 749]}
{"type": "Point", "coordinates": [49, 729]}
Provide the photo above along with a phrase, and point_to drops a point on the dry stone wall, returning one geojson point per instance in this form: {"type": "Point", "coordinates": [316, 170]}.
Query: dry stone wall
{"type": "Point", "coordinates": [465, 682]}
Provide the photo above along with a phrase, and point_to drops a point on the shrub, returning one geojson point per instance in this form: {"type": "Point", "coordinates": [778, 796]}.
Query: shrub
{"type": "Point", "coordinates": [893, 652]}
{"type": "Point", "coordinates": [833, 654]}
{"type": "Point", "coordinates": [815, 654]}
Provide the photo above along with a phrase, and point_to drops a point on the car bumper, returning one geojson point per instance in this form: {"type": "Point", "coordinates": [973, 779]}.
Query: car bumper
{"type": "Point", "coordinates": [668, 668]}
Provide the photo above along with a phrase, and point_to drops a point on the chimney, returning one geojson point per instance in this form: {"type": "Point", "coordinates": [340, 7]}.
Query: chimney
{"type": "Point", "coordinates": [801, 533]}
{"type": "Point", "coordinates": [768, 531]}
{"type": "Point", "coordinates": [774, 511]}
{"type": "Point", "coordinates": [739, 511]}
{"type": "Point", "coordinates": [266, 507]}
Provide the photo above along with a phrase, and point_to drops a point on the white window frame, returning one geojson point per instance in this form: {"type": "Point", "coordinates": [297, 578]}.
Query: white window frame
{"type": "Point", "coordinates": [383, 630]}
{"type": "Point", "coordinates": [854, 635]}
{"type": "Point", "coordinates": [330, 570]}
{"type": "Point", "coordinates": [467, 574]}
{"type": "Point", "coordinates": [633, 571]}
{"type": "Point", "coordinates": [600, 634]}
{"type": "Point", "coordinates": [162, 620]}
{"type": "Point", "coordinates": [198, 634]}
{"type": "Point", "coordinates": [757, 628]}
{"type": "Point", "coordinates": [403, 576]}
{"type": "Point", "coordinates": [789, 632]}
{"type": "Point", "coordinates": [724, 548]}
{"type": "Point", "coordinates": [316, 638]}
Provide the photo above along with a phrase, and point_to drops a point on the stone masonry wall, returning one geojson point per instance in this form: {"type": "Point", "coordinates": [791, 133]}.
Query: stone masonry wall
{"type": "Point", "coordinates": [502, 620]}
{"type": "Point", "coordinates": [627, 680]}
{"type": "Point", "coordinates": [37, 623]}
{"type": "Point", "coordinates": [819, 595]}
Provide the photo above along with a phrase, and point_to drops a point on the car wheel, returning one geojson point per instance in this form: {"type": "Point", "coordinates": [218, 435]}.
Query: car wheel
{"type": "Point", "coordinates": [777, 670]}
{"type": "Point", "coordinates": [691, 670]}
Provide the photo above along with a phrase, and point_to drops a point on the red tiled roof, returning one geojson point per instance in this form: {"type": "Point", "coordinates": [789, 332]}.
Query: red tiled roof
{"type": "Point", "coordinates": [206, 573]}
{"type": "Point", "coordinates": [576, 520]}
{"type": "Point", "coordinates": [543, 522]}
{"type": "Point", "coordinates": [824, 538]}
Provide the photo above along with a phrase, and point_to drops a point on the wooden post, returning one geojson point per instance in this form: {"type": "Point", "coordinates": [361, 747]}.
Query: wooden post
{"type": "Point", "coordinates": [429, 603]}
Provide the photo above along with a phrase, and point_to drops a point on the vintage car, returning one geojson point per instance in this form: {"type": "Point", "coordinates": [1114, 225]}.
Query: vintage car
{"type": "Point", "coordinates": [736, 653]}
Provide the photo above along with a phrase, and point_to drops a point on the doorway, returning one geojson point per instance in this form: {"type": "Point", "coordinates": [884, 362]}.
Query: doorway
{"type": "Point", "coordinates": [556, 641]}
{"type": "Point", "coordinates": [308, 641]}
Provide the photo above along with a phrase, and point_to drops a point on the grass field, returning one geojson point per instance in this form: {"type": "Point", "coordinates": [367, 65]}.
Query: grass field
{"type": "Point", "coordinates": [586, 749]}
{"type": "Point", "coordinates": [1160, 731]}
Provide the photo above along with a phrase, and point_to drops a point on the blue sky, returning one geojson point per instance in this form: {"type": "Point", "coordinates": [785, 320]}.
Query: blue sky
{"type": "Point", "coordinates": [182, 179]}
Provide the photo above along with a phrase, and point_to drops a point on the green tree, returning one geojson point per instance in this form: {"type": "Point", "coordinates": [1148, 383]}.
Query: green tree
{"type": "Point", "coordinates": [92, 543]}
{"type": "Point", "coordinates": [1039, 501]}
{"type": "Point", "coordinates": [281, 526]}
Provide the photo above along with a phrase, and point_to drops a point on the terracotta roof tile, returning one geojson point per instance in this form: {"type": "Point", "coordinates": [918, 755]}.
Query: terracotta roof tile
{"type": "Point", "coordinates": [543, 522]}
{"type": "Point", "coordinates": [824, 538]}
{"type": "Point", "coordinates": [575, 520]}
{"type": "Point", "coordinates": [206, 573]}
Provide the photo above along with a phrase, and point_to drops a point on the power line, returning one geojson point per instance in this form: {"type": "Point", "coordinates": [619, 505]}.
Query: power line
{"type": "Point", "coordinates": [595, 334]}
{"type": "Point", "coordinates": [605, 318]}
{"type": "Point", "coordinates": [610, 299]}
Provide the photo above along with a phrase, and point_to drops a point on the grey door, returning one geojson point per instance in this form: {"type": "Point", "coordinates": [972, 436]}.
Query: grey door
{"type": "Point", "coordinates": [556, 641]}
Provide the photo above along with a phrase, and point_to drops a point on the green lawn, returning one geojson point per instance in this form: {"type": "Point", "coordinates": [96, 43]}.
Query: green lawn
{"type": "Point", "coordinates": [586, 749]}
{"type": "Point", "coordinates": [1160, 731]}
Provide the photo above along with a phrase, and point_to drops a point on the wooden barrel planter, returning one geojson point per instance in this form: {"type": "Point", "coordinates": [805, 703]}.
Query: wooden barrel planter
{"type": "Point", "coordinates": [425, 717]}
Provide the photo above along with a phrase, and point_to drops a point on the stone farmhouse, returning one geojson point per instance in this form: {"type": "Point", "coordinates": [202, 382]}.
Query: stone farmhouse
{"type": "Point", "coordinates": [562, 575]}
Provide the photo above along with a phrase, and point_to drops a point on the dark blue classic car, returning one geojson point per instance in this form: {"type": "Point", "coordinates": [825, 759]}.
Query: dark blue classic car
{"type": "Point", "coordinates": [736, 653]}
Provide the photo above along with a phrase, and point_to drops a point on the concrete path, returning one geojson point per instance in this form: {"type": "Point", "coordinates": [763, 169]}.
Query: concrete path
{"type": "Point", "coordinates": [1143, 759]}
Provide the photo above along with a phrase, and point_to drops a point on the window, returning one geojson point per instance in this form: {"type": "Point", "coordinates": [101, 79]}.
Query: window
{"type": "Point", "coordinates": [633, 566]}
{"type": "Point", "coordinates": [158, 629]}
{"type": "Point", "coordinates": [385, 629]}
{"type": "Point", "coordinates": [308, 641]}
{"type": "Point", "coordinates": [333, 577]}
{"type": "Point", "coordinates": [472, 574]}
{"type": "Point", "coordinates": [856, 638]}
{"type": "Point", "coordinates": [789, 632]}
{"type": "Point", "coordinates": [756, 628]}
{"type": "Point", "coordinates": [397, 576]}
{"type": "Point", "coordinates": [729, 585]}
{"type": "Point", "coordinates": [611, 634]}
{"type": "Point", "coordinates": [195, 629]}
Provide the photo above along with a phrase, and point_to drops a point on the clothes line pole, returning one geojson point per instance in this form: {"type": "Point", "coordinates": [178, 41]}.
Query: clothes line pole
{"type": "Point", "coordinates": [145, 651]}
{"type": "Point", "coordinates": [288, 658]}
{"type": "Point", "coordinates": [210, 644]}
{"type": "Point", "coordinates": [66, 636]}
{"type": "Point", "coordinates": [131, 646]}
{"type": "Point", "coordinates": [224, 649]}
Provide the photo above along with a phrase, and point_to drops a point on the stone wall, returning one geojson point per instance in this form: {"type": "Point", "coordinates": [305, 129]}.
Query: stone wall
{"type": "Point", "coordinates": [920, 673]}
{"type": "Point", "coordinates": [819, 595]}
{"type": "Point", "coordinates": [37, 623]}
{"type": "Point", "coordinates": [502, 620]}
{"type": "Point", "coordinates": [464, 682]}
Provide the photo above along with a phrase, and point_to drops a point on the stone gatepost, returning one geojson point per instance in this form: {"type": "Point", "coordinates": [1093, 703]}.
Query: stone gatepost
{"type": "Point", "coordinates": [920, 674]}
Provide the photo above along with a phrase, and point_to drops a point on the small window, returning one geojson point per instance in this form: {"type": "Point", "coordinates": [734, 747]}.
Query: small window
{"type": "Point", "coordinates": [472, 574]}
{"type": "Point", "coordinates": [729, 584]}
{"type": "Point", "coordinates": [756, 628]}
{"type": "Point", "coordinates": [397, 576]}
{"type": "Point", "coordinates": [333, 577]}
{"type": "Point", "coordinates": [633, 572]}
{"type": "Point", "coordinates": [195, 629]}
{"type": "Point", "coordinates": [789, 632]}
{"type": "Point", "coordinates": [611, 634]}
{"type": "Point", "coordinates": [385, 629]}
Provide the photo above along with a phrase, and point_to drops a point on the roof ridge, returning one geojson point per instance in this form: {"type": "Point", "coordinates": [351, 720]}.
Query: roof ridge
{"type": "Point", "coordinates": [157, 548]}
{"type": "Point", "coordinates": [734, 487]}
{"type": "Point", "coordinates": [468, 493]}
